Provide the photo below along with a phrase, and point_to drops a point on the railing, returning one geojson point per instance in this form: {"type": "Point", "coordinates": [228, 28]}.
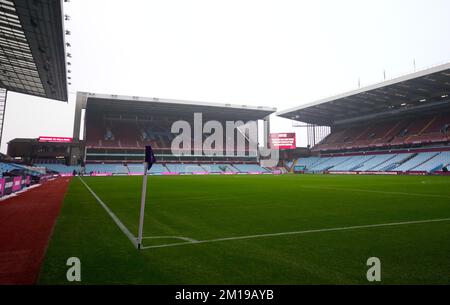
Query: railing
{"type": "Point", "coordinates": [3, 97]}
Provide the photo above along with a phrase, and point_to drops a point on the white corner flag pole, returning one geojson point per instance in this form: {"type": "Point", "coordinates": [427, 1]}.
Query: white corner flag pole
{"type": "Point", "coordinates": [141, 216]}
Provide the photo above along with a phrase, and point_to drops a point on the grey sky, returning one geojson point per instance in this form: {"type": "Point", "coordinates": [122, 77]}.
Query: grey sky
{"type": "Point", "coordinates": [273, 53]}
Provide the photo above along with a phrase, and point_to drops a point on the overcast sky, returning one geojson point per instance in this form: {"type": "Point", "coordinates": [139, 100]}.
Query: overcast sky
{"type": "Point", "coordinates": [272, 53]}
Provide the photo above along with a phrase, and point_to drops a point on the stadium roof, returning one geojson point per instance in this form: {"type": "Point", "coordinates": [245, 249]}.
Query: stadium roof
{"type": "Point", "coordinates": [176, 107]}
{"type": "Point", "coordinates": [425, 91]}
{"type": "Point", "coordinates": [32, 50]}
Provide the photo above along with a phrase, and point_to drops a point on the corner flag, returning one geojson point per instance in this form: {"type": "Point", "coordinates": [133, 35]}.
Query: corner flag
{"type": "Point", "coordinates": [149, 156]}
{"type": "Point", "coordinates": [149, 160]}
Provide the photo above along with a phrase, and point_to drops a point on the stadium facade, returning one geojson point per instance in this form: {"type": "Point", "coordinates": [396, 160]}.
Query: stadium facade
{"type": "Point", "coordinates": [397, 126]}
{"type": "Point", "coordinates": [111, 131]}
{"type": "Point", "coordinates": [32, 50]}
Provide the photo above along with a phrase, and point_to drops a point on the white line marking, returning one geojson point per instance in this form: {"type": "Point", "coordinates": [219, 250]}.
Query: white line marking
{"type": "Point", "coordinates": [172, 237]}
{"type": "Point", "coordinates": [20, 192]}
{"type": "Point", "coordinates": [374, 191]}
{"type": "Point", "coordinates": [121, 226]}
{"type": "Point", "coordinates": [300, 232]}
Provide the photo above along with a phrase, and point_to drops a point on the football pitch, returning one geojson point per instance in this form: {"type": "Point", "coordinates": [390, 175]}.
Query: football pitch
{"type": "Point", "coordinates": [245, 229]}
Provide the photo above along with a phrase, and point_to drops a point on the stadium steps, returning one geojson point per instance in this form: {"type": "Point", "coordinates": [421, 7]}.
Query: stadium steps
{"type": "Point", "coordinates": [339, 163]}
{"type": "Point", "coordinates": [202, 166]}
{"type": "Point", "coordinates": [393, 162]}
{"type": "Point", "coordinates": [165, 166]}
{"type": "Point", "coordinates": [361, 134]}
{"type": "Point", "coordinates": [361, 164]}
{"type": "Point", "coordinates": [407, 159]}
{"type": "Point", "coordinates": [234, 169]}
{"type": "Point", "coordinates": [370, 164]}
{"type": "Point", "coordinates": [437, 168]}
{"type": "Point", "coordinates": [422, 130]}
{"type": "Point", "coordinates": [428, 125]}
{"type": "Point", "coordinates": [388, 134]}
{"type": "Point", "coordinates": [381, 163]}
{"type": "Point", "coordinates": [400, 163]}
{"type": "Point", "coordinates": [425, 161]}
{"type": "Point", "coordinates": [291, 170]}
{"type": "Point", "coordinates": [384, 164]}
{"type": "Point", "coordinates": [320, 161]}
{"type": "Point", "coordinates": [409, 164]}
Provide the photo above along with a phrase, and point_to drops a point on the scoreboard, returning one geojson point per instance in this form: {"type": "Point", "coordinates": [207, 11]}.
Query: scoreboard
{"type": "Point", "coordinates": [283, 140]}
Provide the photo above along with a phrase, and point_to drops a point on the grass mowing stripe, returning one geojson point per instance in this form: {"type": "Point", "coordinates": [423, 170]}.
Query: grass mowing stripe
{"type": "Point", "coordinates": [375, 191]}
{"type": "Point", "coordinates": [299, 232]}
{"type": "Point", "coordinates": [121, 226]}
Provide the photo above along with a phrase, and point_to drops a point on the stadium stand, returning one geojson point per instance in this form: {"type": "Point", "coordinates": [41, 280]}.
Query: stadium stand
{"type": "Point", "coordinates": [60, 168]}
{"type": "Point", "coordinates": [158, 168]}
{"type": "Point", "coordinates": [307, 162]}
{"type": "Point", "coordinates": [250, 168]}
{"type": "Point", "coordinates": [415, 161]}
{"type": "Point", "coordinates": [436, 163]}
{"type": "Point", "coordinates": [374, 162]}
{"type": "Point", "coordinates": [139, 168]}
{"type": "Point", "coordinates": [429, 129]}
{"type": "Point", "coordinates": [6, 167]}
{"type": "Point", "coordinates": [396, 126]}
{"type": "Point", "coordinates": [185, 168]}
{"type": "Point", "coordinates": [219, 168]}
{"type": "Point", "coordinates": [288, 164]}
{"type": "Point", "coordinates": [392, 162]}
{"type": "Point", "coordinates": [427, 162]}
{"type": "Point", "coordinates": [106, 168]}
{"type": "Point", "coordinates": [352, 163]}
{"type": "Point", "coordinates": [328, 164]}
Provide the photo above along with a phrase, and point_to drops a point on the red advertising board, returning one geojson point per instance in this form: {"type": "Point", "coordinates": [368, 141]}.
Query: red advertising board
{"type": "Point", "coordinates": [55, 139]}
{"type": "Point", "coordinates": [283, 140]}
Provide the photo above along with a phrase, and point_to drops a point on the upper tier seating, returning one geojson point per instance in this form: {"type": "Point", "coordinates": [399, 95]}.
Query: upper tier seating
{"type": "Point", "coordinates": [132, 133]}
{"type": "Point", "coordinates": [426, 129]}
{"type": "Point", "coordinates": [126, 133]}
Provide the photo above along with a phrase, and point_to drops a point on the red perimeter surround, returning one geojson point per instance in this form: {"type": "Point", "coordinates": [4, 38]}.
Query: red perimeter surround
{"type": "Point", "coordinates": [26, 224]}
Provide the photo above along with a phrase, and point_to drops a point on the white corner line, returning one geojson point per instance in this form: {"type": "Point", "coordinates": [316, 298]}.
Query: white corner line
{"type": "Point", "coordinates": [191, 240]}
{"type": "Point", "coordinates": [299, 232]}
{"type": "Point", "coordinates": [121, 226]}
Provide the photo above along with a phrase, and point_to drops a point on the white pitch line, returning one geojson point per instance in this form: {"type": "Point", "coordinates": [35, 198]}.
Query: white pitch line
{"type": "Point", "coordinates": [375, 191]}
{"type": "Point", "coordinates": [121, 226]}
{"type": "Point", "coordinates": [172, 237]}
{"type": "Point", "coordinates": [299, 232]}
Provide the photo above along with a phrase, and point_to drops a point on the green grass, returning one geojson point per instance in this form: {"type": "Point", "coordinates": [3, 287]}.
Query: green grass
{"type": "Point", "coordinates": [209, 207]}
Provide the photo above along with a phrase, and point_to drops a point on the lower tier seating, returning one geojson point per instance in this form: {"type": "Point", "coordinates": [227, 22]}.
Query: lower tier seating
{"type": "Point", "coordinates": [394, 162]}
